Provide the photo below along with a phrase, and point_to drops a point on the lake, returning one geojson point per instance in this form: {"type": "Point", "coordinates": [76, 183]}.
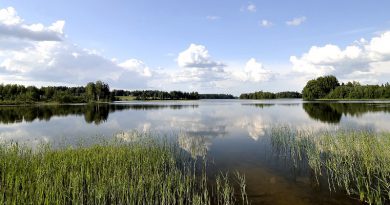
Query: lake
{"type": "Point", "coordinates": [232, 133]}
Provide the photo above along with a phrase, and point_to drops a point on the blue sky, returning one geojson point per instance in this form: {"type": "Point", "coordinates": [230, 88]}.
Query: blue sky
{"type": "Point", "coordinates": [226, 46]}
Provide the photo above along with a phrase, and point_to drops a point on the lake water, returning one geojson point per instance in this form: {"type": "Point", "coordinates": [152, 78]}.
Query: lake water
{"type": "Point", "coordinates": [231, 132]}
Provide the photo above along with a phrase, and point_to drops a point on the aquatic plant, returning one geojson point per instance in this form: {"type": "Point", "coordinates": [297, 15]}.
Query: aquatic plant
{"type": "Point", "coordinates": [142, 171]}
{"type": "Point", "coordinates": [357, 161]}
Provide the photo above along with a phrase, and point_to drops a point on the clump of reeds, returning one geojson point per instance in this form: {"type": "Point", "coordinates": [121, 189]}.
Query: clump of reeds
{"type": "Point", "coordinates": [146, 171]}
{"type": "Point", "coordinates": [356, 161]}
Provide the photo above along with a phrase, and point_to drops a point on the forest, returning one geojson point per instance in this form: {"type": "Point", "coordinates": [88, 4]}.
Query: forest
{"type": "Point", "coordinates": [322, 88]}
{"type": "Point", "coordinates": [98, 91]}
{"type": "Point", "coordinates": [270, 95]}
{"type": "Point", "coordinates": [157, 95]}
{"type": "Point", "coordinates": [19, 94]}
{"type": "Point", "coordinates": [164, 95]}
{"type": "Point", "coordinates": [328, 87]}
{"type": "Point", "coordinates": [216, 96]}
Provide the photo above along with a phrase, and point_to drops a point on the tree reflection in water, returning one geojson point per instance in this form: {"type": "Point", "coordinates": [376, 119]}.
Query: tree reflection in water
{"type": "Point", "coordinates": [93, 113]}
{"type": "Point", "coordinates": [332, 112]}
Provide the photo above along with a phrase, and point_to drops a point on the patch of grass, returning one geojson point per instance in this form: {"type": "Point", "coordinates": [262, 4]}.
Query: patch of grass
{"type": "Point", "coordinates": [143, 171]}
{"type": "Point", "coordinates": [356, 161]}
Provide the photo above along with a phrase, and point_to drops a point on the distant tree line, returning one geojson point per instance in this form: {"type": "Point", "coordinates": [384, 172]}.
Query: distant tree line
{"type": "Point", "coordinates": [164, 95]}
{"type": "Point", "coordinates": [93, 92]}
{"type": "Point", "coordinates": [157, 95]}
{"type": "Point", "coordinates": [216, 96]}
{"type": "Point", "coordinates": [269, 95]}
{"type": "Point", "coordinates": [19, 94]}
{"type": "Point", "coordinates": [353, 90]}
{"type": "Point", "coordinates": [328, 87]}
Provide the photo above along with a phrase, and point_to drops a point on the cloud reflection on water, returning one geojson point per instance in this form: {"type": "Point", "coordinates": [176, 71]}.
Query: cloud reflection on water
{"type": "Point", "coordinates": [209, 120]}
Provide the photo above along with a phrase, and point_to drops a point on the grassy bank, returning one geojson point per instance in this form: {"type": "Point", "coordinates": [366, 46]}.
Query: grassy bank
{"type": "Point", "coordinates": [146, 171]}
{"type": "Point", "coordinates": [357, 162]}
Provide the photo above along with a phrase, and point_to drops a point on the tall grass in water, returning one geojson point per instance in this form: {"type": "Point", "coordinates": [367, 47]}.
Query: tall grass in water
{"type": "Point", "coordinates": [356, 161]}
{"type": "Point", "coordinates": [146, 171]}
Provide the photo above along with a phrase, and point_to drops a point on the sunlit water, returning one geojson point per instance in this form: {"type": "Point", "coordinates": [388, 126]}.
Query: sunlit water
{"type": "Point", "coordinates": [231, 132]}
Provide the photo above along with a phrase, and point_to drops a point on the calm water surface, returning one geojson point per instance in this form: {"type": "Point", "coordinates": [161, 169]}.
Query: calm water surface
{"type": "Point", "coordinates": [232, 132]}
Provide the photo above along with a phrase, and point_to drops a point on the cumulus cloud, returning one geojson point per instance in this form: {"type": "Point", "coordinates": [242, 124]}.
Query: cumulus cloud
{"type": "Point", "coordinates": [137, 66]}
{"type": "Point", "coordinates": [265, 23]}
{"type": "Point", "coordinates": [12, 26]}
{"type": "Point", "coordinates": [361, 59]}
{"type": "Point", "coordinates": [200, 72]}
{"type": "Point", "coordinates": [35, 53]}
{"type": "Point", "coordinates": [203, 76]}
{"type": "Point", "coordinates": [253, 72]}
{"type": "Point", "coordinates": [197, 69]}
{"type": "Point", "coordinates": [8, 16]}
{"type": "Point", "coordinates": [197, 56]}
{"type": "Point", "coordinates": [67, 63]}
{"type": "Point", "coordinates": [296, 21]}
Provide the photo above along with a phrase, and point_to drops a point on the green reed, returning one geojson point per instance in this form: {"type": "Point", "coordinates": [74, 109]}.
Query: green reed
{"type": "Point", "coordinates": [145, 171]}
{"type": "Point", "coordinates": [356, 161]}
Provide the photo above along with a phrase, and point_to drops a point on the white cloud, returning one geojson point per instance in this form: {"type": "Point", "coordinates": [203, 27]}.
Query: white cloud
{"type": "Point", "coordinates": [34, 53]}
{"type": "Point", "coordinates": [137, 66]}
{"type": "Point", "coordinates": [8, 16]}
{"type": "Point", "coordinates": [67, 63]}
{"type": "Point", "coordinates": [253, 72]}
{"type": "Point", "coordinates": [213, 18]}
{"type": "Point", "coordinates": [359, 61]}
{"type": "Point", "coordinates": [12, 26]}
{"type": "Point", "coordinates": [265, 23]}
{"type": "Point", "coordinates": [251, 7]}
{"type": "Point", "coordinates": [296, 21]}
{"type": "Point", "coordinates": [198, 69]}
{"type": "Point", "coordinates": [200, 72]}
{"type": "Point", "coordinates": [201, 76]}
{"type": "Point", "coordinates": [197, 56]}
{"type": "Point", "coordinates": [379, 47]}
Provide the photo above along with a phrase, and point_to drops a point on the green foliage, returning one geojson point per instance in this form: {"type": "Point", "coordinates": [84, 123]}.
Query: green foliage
{"type": "Point", "coordinates": [102, 90]}
{"type": "Point", "coordinates": [327, 87]}
{"type": "Point", "coordinates": [90, 91]}
{"type": "Point", "coordinates": [216, 96]}
{"type": "Point", "coordinates": [163, 95]}
{"type": "Point", "coordinates": [269, 95]}
{"type": "Point", "coordinates": [19, 94]}
{"type": "Point", "coordinates": [353, 90]}
{"type": "Point", "coordinates": [320, 87]}
{"type": "Point", "coordinates": [157, 95]}
{"type": "Point", "coordinates": [288, 94]}
{"type": "Point", "coordinates": [141, 170]}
